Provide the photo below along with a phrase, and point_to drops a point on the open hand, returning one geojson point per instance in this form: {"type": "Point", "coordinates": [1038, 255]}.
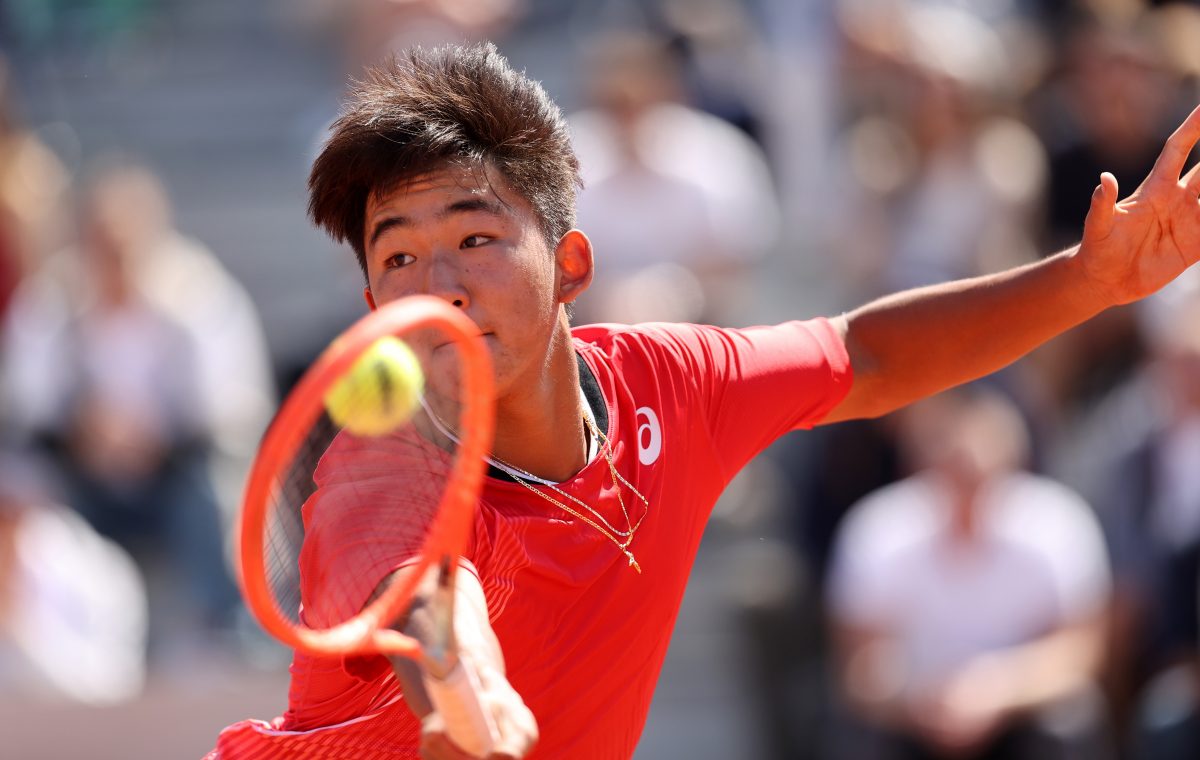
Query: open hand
{"type": "Point", "coordinates": [1134, 247]}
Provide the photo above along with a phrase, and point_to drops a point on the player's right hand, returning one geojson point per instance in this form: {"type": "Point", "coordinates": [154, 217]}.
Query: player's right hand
{"type": "Point", "coordinates": [516, 728]}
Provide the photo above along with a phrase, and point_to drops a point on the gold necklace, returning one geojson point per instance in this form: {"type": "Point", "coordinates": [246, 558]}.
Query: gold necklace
{"type": "Point", "coordinates": [607, 529]}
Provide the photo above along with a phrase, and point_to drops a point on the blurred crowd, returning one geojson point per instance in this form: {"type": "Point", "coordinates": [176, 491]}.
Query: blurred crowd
{"type": "Point", "coordinates": [1011, 570]}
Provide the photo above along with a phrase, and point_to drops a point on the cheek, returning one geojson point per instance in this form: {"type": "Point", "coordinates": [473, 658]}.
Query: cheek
{"type": "Point", "coordinates": [383, 289]}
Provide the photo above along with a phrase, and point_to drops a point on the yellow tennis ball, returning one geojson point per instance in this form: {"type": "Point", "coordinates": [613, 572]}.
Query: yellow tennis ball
{"type": "Point", "coordinates": [380, 392]}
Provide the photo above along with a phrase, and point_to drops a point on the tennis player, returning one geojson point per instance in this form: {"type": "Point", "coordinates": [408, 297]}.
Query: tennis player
{"type": "Point", "coordinates": [450, 174]}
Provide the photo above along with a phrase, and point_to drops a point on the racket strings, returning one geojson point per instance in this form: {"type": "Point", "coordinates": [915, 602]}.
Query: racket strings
{"type": "Point", "coordinates": [349, 510]}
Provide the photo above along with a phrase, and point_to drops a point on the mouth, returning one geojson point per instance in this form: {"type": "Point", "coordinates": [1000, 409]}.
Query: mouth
{"type": "Point", "coordinates": [445, 343]}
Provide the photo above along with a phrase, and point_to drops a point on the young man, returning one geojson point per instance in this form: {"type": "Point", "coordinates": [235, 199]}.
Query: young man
{"type": "Point", "coordinates": [452, 175]}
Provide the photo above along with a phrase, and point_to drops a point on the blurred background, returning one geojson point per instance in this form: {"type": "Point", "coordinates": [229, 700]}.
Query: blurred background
{"type": "Point", "coordinates": [1010, 571]}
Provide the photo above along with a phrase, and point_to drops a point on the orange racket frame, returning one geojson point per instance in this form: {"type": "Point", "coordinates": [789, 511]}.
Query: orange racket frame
{"type": "Point", "coordinates": [368, 632]}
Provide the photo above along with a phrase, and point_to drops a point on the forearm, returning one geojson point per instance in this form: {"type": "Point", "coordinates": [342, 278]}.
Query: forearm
{"type": "Point", "coordinates": [473, 638]}
{"type": "Point", "coordinates": [1041, 672]}
{"type": "Point", "coordinates": [466, 705]}
{"type": "Point", "coordinates": [914, 344]}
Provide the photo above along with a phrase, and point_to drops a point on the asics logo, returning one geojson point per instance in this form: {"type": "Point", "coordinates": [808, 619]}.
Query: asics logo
{"type": "Point", "coordinates": [649, 436]}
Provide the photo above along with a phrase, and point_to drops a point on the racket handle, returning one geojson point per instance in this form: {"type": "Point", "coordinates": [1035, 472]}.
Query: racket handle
{"type": "Point", "coordinates": [456, 699]}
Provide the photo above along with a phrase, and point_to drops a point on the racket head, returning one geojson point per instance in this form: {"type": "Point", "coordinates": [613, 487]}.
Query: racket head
{"type": "Point", "coordinates": [272, 529]}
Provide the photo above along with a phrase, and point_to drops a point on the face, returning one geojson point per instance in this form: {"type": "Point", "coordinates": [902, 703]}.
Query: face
{"type": "Point", "coordinates": [463, 235]}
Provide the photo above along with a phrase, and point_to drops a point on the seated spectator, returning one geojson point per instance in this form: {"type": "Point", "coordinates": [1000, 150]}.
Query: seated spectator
{"type": "Point", "coordinates": [678, 203]}
{"type": "Point", "coordinates": [967, 599]}
{"type": "Point", "coordinates": [33, 184]}
{"type": "Point", "coordinates": [133, 359]}
{"type": "Point", "coordinates": [938, 180]}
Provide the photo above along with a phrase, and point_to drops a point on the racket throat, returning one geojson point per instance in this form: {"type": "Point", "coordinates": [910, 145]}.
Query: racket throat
{"type": "Point", "coordinates": [441, 648]}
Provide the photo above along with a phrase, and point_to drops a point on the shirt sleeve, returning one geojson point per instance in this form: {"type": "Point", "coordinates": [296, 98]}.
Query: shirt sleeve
{"type": "Point", "coordinates": [757, 383]}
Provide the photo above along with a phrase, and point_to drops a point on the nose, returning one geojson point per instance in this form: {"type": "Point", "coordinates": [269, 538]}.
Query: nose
{"type": "Point", "coordinates": [446, 279]}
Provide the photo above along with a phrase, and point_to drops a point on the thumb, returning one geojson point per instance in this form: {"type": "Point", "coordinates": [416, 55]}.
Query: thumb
{"type": "Point", "coordinates": [1103, 210]}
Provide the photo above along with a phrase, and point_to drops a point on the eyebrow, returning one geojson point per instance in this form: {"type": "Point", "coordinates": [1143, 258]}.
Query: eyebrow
{"type": "Point", "coordinates": [464, 206]}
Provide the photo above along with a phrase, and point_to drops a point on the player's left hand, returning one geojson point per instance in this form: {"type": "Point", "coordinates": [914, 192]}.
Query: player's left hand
{"type": "Point", "coordinates": [1134, 247]}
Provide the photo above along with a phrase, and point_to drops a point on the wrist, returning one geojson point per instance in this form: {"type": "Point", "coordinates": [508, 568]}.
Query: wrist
{"type": "Point", "coordinates": [1086, 291]}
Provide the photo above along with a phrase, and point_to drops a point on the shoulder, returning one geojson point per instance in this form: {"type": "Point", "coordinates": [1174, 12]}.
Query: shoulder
{"type": "Point", "coordinates": [612, 336]}
{"type": "Point", "coordinates": [1030, 502]}
{"type": "Point", "coordinates": [892, 518]}
{"type": "Point", "coordinates": [1045, 514]}
{"type": "Point", "coordinates": [794, 340]}
{"type": "Point", "coordinates": [656, 345]}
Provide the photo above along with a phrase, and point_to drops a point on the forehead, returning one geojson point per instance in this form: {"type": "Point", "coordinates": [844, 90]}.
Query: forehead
{"type": "Point", "coordinates": [430, 193]}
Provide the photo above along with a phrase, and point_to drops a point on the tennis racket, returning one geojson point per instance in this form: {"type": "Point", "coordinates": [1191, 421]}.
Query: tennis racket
{"type": "Point", "coordinates": [328, 515]}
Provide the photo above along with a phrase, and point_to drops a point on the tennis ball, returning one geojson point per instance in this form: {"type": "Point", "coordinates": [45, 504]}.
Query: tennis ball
{"type": "Point", "coordinates": [380, 392]}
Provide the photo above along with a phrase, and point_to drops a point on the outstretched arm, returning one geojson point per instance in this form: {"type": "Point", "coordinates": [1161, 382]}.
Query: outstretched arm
{"type": "Point", "coordinates": [914, 344]}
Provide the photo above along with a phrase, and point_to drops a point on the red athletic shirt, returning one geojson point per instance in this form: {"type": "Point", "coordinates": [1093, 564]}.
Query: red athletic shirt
{"type": "Point", "coordinates": [583, 634]}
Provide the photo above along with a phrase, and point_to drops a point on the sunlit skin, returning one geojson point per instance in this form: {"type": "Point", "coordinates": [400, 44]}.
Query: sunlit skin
{"type": "Point", "coordinates": [463, 235]}
{"type": "Point", "coordinates": [1135, 247]}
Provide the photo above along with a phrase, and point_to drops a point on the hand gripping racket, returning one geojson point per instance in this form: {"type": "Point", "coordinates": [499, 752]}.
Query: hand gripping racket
{"type": "Point", "coordinates": [329, 515]}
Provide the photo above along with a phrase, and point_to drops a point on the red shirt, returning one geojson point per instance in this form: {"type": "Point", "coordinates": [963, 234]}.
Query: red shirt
{"type": "Point", "coordinates": [583, 634]}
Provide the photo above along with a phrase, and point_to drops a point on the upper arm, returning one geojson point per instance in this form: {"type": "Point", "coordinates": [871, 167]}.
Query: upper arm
{"type": "Point", "coordinates": [857, 402]}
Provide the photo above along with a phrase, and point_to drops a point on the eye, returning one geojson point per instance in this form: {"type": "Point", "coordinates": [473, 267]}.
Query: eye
{"type": "Point", "coordinates": [398, 261]}
{"type": "Point", "coordinates": [474, 241]}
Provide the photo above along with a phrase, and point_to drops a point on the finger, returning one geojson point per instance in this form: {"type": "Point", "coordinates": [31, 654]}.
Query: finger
{"type": "Point", "coordinates": [1103, 208]}
{"type": "Point", "coordinates": [1191, 180]}
{"type": "Point", "coordinates": [1108, 181]}
{"type": "Point", "coordinates": [1179, 146]}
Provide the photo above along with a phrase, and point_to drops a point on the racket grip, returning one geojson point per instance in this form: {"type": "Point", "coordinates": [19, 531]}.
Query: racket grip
{"type": "Point", "coordinates": [456, 699]}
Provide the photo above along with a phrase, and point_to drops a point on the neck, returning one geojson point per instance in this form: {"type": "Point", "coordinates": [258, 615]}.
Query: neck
{"type": "Point", "coordinates": [539, 426]}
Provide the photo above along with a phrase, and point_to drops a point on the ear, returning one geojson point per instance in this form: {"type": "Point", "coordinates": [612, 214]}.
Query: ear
{"type": "Point", "coordinates": [573, 256]}
{"type": "Point", "coordinates": [369, 297]}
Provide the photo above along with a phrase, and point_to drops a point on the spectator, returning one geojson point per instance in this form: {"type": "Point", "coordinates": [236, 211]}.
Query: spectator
{"type": "Point", "coordinates": [72, 607]}
{"type": "Point", "coordinates": [369, 30]}
{"type": "Point", "coordinates": [32, 186]}
{"type": "Point", "coordinates": [134, 358]}
{"type": "Point", "coordinates": [942, 181]}
{"type": "Point", "coordinates": [967, 599]}
{"type": "Point", "coordinates": [688, 228]}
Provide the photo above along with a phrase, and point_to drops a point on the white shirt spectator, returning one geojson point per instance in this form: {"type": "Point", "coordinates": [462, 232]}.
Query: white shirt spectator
{"type": "Point", "coordinates": [695, 196]}
{"type": "Point", "coordinates": [723, 167]}
{"type": "Point", "coordinates": [1037, 563]}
